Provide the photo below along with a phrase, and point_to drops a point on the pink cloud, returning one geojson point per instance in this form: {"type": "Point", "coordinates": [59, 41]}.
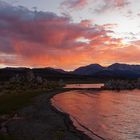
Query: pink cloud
{"type": "Point", "coordinates": [98, 6]}
{"type": "Point", "coordinates": [74, 4]}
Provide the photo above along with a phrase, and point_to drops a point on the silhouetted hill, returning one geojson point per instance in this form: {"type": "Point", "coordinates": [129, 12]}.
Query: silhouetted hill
{"type": "Point", "coordinates": [50, 74]}
{"type": "Point", "coordinates": [113, 71]}
{"type": "Point", "coordinates": [7, 73]}
{"type": "Point", "coordinates": [85, 73]}
{"type": "Point", "coordinates": [124, 67]}
{"type": "Point", "coordinates": [56, 70]}
{"type": "Point", "coordinates": [88, 70]}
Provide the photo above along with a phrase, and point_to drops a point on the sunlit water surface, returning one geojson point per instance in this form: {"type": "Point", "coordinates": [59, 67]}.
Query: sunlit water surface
{"type": "Point", "coordinates": [84, 85]}
{"type": "Point", "coordinates": [111, 115]}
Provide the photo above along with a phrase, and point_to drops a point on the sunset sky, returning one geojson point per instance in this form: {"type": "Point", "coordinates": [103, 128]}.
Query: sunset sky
{"type": "Point", "coordinates": [69, 33]}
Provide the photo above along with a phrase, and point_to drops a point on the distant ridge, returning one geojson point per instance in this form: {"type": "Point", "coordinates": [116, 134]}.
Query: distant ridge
{"type": "Point", "coordinates": [118, 66]}
{"type": "Point", "coordinates": [116, 70]}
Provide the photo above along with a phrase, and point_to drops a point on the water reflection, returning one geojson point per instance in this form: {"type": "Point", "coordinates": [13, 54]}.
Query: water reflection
{"type": "Point", "coordinates": [84, 85]}
{"type": "Point", "coordinates": [112, 115]}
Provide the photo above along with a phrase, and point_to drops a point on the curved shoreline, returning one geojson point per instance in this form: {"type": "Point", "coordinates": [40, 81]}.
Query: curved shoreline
{"type": "Point", "coordinates": [68, 122]}
{"type": "Point", "coordinates": [70, 126]}
{"type": "Point", "coordinates": [42, 121]}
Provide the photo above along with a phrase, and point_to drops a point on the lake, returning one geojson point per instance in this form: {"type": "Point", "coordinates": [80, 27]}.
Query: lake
{"type": "Point", "coordinates": [84, 86]}
{"type": "Point", "coordinates": [108, 115]}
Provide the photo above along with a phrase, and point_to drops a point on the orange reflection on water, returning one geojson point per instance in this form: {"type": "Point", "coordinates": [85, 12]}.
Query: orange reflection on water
{"type": "Point", "coordinates": [112, 115]}
{"type": "Point", "coordinates": [84, 85]}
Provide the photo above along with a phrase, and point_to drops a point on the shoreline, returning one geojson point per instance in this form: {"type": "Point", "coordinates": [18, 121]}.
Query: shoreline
{"type": "Point", "coordinates": [68, 121]}
{"type": "Point", "coordinates": [42, 120]}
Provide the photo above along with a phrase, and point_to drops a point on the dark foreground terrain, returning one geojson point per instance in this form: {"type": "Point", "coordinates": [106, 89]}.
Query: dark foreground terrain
{"type": "Point", "coordinates": [41, 121]}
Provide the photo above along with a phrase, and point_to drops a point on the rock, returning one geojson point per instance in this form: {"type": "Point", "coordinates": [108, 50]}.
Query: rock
{"type": "Point", "coordinates": [3, 130]}
{"type": "Point", "coordinates": [30, 76]}
{"type": "Point", "coordinates": [39, 79]}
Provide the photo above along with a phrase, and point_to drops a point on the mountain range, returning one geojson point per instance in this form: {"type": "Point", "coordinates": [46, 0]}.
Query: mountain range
{"type": "Point", "coordinates": [116, 70]}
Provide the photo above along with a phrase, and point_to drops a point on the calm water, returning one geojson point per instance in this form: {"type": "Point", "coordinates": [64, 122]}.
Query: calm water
{"type": "Point", "coordinates": [84, 86]}
{"type": "Point", "coordinates": [108, 114]}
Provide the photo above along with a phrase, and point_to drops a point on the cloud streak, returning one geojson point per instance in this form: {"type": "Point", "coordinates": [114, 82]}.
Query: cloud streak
{"type": "Point", "coordinates": [105, 5]}
{"type": "Point", "coordinates": [102, 5]}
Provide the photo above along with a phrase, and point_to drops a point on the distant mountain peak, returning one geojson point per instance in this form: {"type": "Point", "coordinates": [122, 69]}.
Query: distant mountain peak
{"type": "Point", "coordinates": [95, 64]}
{"type": "Point", "coordinates": [89, 69]}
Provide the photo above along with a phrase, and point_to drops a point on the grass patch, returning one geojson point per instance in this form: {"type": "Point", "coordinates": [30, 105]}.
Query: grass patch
{"type": "Point", "coordinates": [9, 103]}
{"type": "Point", "coordinates": [6, 137]}
{"type": "Point", "coordinates": [59, 135]}
{"type": "Point", "coordinates": [15, 95]}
